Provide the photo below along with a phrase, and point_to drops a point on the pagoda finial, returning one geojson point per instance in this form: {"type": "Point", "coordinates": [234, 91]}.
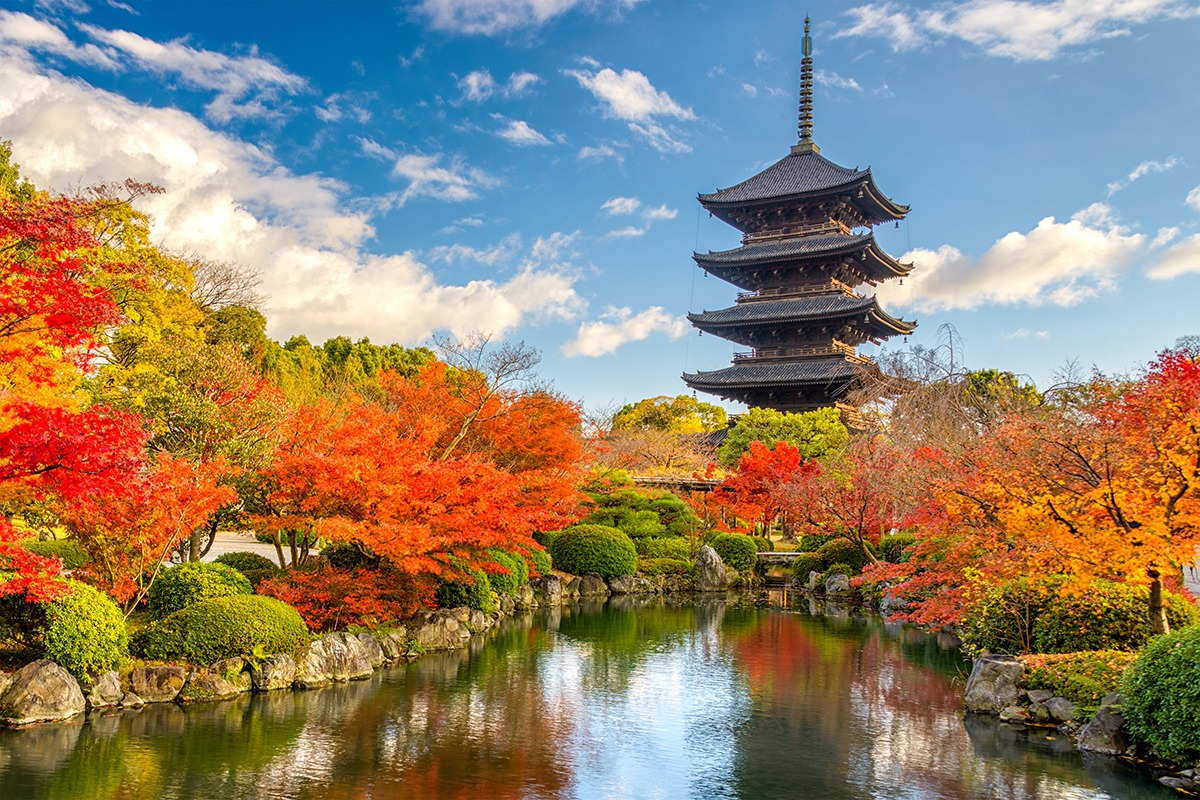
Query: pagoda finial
{"type": "Point", "coordinates": [806, 144]}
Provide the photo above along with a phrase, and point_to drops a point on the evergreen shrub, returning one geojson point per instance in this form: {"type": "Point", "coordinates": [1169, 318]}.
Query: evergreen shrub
{"type": "Point", "coordinates": [804, 564]}
{"type": "Point", "coordinates": [223, 627]}
{"type": "Point", "coordinates": [179, 587]}
{"type": "Point", "coordinates": [538, 562]}
{"type": "Point", "coordinates": [83, 632]}
{"type": "Point", "coordinates": [843, 551]}
{"type": "Point", "coordinates": [516, 572]}
{"type": "Point", "coordinates": [70, 553]}
{"type": "Point", "coordinates": [891, 548]}
{"type": "Point", "coordinates": [546, 538]}
{"type": "Point", "coordinates": [473, 589]}
{"type": "Point", "coordinates": [1083, 678]}
{"type": "Point", "coordinates": [811, 542]}
{"type": "Point", "coordinates": [677, 547]}
{"type": "Point", "coordinates": [601, 549]}
{"type": "Point", "coordinates": [837, 569]}
{"type": "Point", "coordinates": [254, 566]}
{"type": "Point", "coordinates": [665, 566]}
{"type": "Point", "coordinates": [737, 550]}
{"type": "Point", "coordinates": [762, 543]}
{"type": "Point", "coordinates": [1162, 696]}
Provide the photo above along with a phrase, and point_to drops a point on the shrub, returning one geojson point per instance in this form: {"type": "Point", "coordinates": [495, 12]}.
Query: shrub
{"type": "Point", "coordinates": [811, 542]}
{"type": "Point", "coordinates": [665, 566]}
{"type": "Point", "coordinates": [546, 538]}
{"type": "Point", "coordinates": [891, 548]}
{"type": "Point", "coordinates": [762, 543]}
{"type": "Point", "coordinates": [344, 555]}
{"type": "Point", "coordinates": [594, 548]}
{"type": "Point", "coordinates": [538, 562]}
{"type": "Point", "coordinates": [837, 569]}
{"type": "Point", "coordinates": [737, 550]}
{"type": "Point", "coordinates": [256, 568]}
{"type": "Point", "coordinates": [181, 586]}
{"type": "Point", "coordinates": [843, 551]}
{"type": "Point", "coordinates": [331, 599]}
{"type": "Point", "coordinates": [1082, 678]}
{"type": "Point", "coordinates": [70, 553]}
{"type": "Point", "coordinates": [804, 564]}
{"type": "Point", "coordinates": [515, 574]}
{"type": "Point", "coordinates": [83, 632]}
{"type": "Point", "coordinates": [223, 627]}
{"type": "Point", "coordinates": [1162, 695]}
{"type": "Point", "coordinates": [472, 589]}
{"type": "Point", "coordinates": [676, 547]}
{"type": "Point", "coordinates": [640, 513]}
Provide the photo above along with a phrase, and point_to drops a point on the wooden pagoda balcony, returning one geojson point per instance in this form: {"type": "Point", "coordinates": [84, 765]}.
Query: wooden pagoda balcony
{"type": "Point", "coordinates": [805, 351]}
{"type": "Point", "coordinates": [831, 286]}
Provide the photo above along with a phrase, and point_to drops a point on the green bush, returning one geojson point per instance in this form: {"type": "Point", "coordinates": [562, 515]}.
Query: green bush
{"type": "Point", "coordinates": [182, 586]}
{"type": "Point", "coordinates": [837, 569]}
{"type": "Point", "coordinates": [343, 555]}
{"type": "Point", "coordinates": [255, 567]}
{"type": "Point", "coordinates": [665, 566]}
{"type": "Point", "coordinates": [640, 513]}
{"type": "Point", "coordinates": [762, 543]}
{"type": "Point", "coordinates": [843, 551]}
{"type": "Point", "coordinates": [516, 575]}
{"type": "Point", "coordinates": [1082, 678]}
{"type": "Point", "coordinates": [1162, 696]}
{"type": "Point", "coordinates": [804, 564]}
{"type": "Point", "coordinates": [738, 551]}
{"type": "Point", "coordinates": [538, 562]}
{"type": "Point", "coordinates": [70, 553]}
{"type": "Point", "coordinates": [83, 632]}
{"type": "Point", "coordinates": [223, 627]}
{"type": "Point", "coordinates": [1027, 615]}
{"type": "Point", "coordinates": [811, 542]}
{"type": "Point", "coordinates": [472, 590]}
{"type": "Point", "coordinates": [603, 550]}
{"type": "Point", "coordinates": [891, 548]}
{"type": "Point", "coordinates": [677, 547]}
{"type": "Point", "coordinates": [546, 538]}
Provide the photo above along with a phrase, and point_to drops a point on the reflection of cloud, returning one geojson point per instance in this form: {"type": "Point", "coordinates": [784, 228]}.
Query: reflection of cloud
{"type": "Point", "coordinates": [619, 326]}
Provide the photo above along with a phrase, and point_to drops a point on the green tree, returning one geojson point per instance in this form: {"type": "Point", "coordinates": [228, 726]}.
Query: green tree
{"type": "Point", "coordinates": [813, 433]}
{"type": "Point", "coordinates": [682, 414]}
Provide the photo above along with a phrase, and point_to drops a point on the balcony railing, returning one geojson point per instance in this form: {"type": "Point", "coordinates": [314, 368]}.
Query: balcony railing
{"type": "Point", "coordinates": [831, 286]}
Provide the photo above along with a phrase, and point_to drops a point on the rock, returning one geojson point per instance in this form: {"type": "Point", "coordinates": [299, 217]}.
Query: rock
{"type": "Point", "coordinates": [678, 584]}
{"type": "Point", "coordinates": [334, 658]}
{"type": "Point", "coordinates": [814, 578]}
{"type": "Point", "coordinates": [1104, 733]}
{"type": "Point", "coordinates": [592, 585]}
{"type": "Point", "coordinates": [157, 684]}
{"type": "Point", "coordinates": [477, 621]}
{"type": "Point", "coordinates": [1040, 695]}
{"type": "Point", "coordinates": [1061, 709]}
{"type": "Point", "coordinates": [1040, 712]}
{"type": "Point", "coordinates": [837, 586]}
{"type": "Point", "coordinates": [41, 692]}
{"type": "Point", "coordinates": [1179, 784]}
{"type": "Point", "coordinates": [273, 672]}
{"type": "Point", "coordinates": [131, 700]}
{"type": "Point", "coordinates": [440, 630]}
{"type": "Point", "coordinates": [234, 671]}
{"type": "Point", "coordinates": [524, 598]}
{"type": "Point", "coordinates": [105, 691]}
{"type": "Point", "coordinates": [6, 680]}
{"type": "Point", "coordinates": [891, 603]}
{"type": "Point", "coordinates": [711, 575]}
{"type": "Point", "coordinates": [622, 584]}
{"type": "Point", "coordinates": [1014, 714]}
{"type": "Point", "coordinates": [372, 649]}
{"type": "Point", "coordinates": [204, 686]}
{"type": "Point", "coordinates": [992, 686]}
{"type": "Point", "coordinates": [394, 643]}
{"type": "Point", "coordinates": [548, 590]}
{"type": "Point", "coordinates": [507, 604]}
{"type": "Point", "coordinates": [571, 588]}
{"type": "Point", "coordinates": [1113, 699]}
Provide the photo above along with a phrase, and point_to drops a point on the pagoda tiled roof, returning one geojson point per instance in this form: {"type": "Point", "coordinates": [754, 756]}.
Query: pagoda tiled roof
{"type": "Point", "coordinates": [811, 371]}
{"type": "Point", "coordinates": [825, 244]}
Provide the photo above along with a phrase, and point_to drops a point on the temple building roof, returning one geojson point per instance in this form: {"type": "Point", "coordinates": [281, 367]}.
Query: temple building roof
{"type": "Point", "coordinates": [800, 309]}
{"type": "Point", "coordinates": [812, 372]}
{"type": "Point", "coordinates": [880, 265]}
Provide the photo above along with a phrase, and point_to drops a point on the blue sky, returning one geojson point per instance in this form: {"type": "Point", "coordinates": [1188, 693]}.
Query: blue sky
{"type": "Point", "coordinates": [529, 167]}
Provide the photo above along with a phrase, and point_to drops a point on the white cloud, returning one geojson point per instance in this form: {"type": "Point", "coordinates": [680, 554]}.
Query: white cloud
{"type": "Point", "coordinates": [493, 17]}
{"type": "Point", "coordinates": [621, 205]}
{"type": "Point", "coordinates": [1164, 237]}
{"type": "Point", "coordinates": [232, 201]}
{"type": "Point", "coordinates": [28, 33]}
{"type": "Point", "coordinates": [479, 85]}
{"type": "Point", "coordinates": [1193, 198]}
{"type": "Point", "coordinates": [762, 57]}
{"type": "Point", "coordinates": [616, 206]}
{"type": "Point", "coordinates": [374, 149]}
{"type": "Point", "coordinates": [1142, 170]}
{"type": "Point", "coordinates": [659, 213]}
{"type": "Point", "coordinates": [618, 326]}
{"type": "Point", "coordinates": [599, 153]}
{"type": "Point", "coordinates": [428, 178]}
{"type": "Point", "coordinates": [836, 81]}
{"type": "Point", "coordinates": [1181, 259]}
{"type": "Point", "coordinates": [1025, 333]}
{"type": "Point", "coordinates": [1058, 263]}
{"type": "Point", "coordinates": [628, 232]}
{"type": "Point", "coordinates": [1018, 29]}
{"type": "Point", "coordinates": [339, 106]}
{"type": "Point", "coordinates": [750, 90]}
{"type": "Point", "coordinates": [501, 252]}
{"type": "Point", "coordinates": [629, 96]}
{"type": "Point", "coordinates": [520, 133]}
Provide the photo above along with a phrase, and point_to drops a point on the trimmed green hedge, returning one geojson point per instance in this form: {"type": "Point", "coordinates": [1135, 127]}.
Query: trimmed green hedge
{"type": "Point", "coordinates": [805, 563]}
{"type": "Point", "coordinates": [223, 627]}
{"type": "Point", "coordinates": [677, 547]}
{"type": "Point", "coordinates": [538, 562]}
{"type": "Point", "coordinates": [1082, 678]}
{"type": "Point", "coordinates": [193, 582]}
{"type": "Point", "coordinates": [252, 565]}
{"type": "Point", "coordinates": [517, 574]}
{"type": "Point", "coordinates": [1162, 696]}
{"type": "Point", "coordinates": [665, 566]}
{"type": "Point", "coordinates": [837, 569]}
{"type": "Point", "coordinates": [83, 632]}
{"type": "Point", "coordinates": [70, 553]}
{"type": "Point", "coordinates": [601, 549]}
{"type": "Point", "coordinates": [472, 590]}
{"type": "Point", "coordinates": [738, 551]}
{"type": "Point", "coordinates": [843, 551]}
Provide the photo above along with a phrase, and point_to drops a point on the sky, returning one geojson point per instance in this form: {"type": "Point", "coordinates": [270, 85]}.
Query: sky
{"type": "Point", "coordinates": [529, 168]}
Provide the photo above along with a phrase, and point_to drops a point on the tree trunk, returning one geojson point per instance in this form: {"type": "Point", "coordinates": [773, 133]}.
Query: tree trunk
{"type": "Point", "coordinates": [1158, 611]}
{"type": "Point", "coordinates": [194, 545]}
{"type": "Point", "coordinates": [278, 542]}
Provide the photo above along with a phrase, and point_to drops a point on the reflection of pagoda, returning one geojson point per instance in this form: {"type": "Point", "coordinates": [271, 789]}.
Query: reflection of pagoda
{"type": "Point", "coordinates": [799, 263]}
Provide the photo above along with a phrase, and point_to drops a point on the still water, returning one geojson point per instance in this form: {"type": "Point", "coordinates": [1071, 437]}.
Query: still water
{"type": "Point", "coordinates": [625, 700]}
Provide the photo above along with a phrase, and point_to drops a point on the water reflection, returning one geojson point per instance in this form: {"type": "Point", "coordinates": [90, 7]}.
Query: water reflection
{"type": "Point", "coordinates": [639, 698]}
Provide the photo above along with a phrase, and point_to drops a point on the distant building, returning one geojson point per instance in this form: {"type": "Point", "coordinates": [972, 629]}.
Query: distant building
{"type": "Point", "coordinates": [799, 264]}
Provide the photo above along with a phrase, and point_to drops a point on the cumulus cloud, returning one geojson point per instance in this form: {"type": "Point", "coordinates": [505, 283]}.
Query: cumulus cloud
{"type": "Point", "coordinates": [1018, 29]}
{"type": "Point", "coordinates": [1057, 263]}
{"type": "Point", "coordinates": [1142, 170]}
{"type": "Point", "coordinates": [427, 177]}
{"type": "Point", "coordinates": [1180, 259]}
{"type": "Point", "coordinates": [479, 85]}
{"type": "Point", "coordinates": [493, 17]}
{"type": "Point", "coordinates": [232, 201]}
{"type": "Point", "coordinates": [629, 96]}
{"type": "Point", "coordinates": [619, 326]}
{"type": "Point", "coordinates": [519, 132]}
{"type": "Point", "coordinates": [21, 31]}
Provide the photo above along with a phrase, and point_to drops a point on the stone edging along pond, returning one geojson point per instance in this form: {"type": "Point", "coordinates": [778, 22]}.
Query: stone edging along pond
{"type": "Point", "coordinates": [43, 691]}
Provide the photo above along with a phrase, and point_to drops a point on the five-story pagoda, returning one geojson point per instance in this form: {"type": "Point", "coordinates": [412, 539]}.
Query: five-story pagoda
{"type": "Point", "coordinates": [799, 264]}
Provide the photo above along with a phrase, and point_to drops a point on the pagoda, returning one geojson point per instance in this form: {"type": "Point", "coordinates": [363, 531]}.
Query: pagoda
{"type": "Point", "coordinates": [799, 263]}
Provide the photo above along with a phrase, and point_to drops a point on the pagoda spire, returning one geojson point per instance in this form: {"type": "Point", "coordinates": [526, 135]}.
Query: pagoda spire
{"type": "Point", "coordinates": [806, 143]}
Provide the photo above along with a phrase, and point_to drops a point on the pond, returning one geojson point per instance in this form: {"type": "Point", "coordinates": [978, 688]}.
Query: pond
{"type": "Point", "coordinates": [630, 699]}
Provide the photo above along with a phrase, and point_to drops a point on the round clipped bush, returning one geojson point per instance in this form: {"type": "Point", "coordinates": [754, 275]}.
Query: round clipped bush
{"type": "Point", "coordinates": [70, 553]}
{"type": "Point", "coordinates": [605, 551]}
{"type": "Point", "coordinates": [516, 572]}
{"type": "Point", "coordinates": [83, 632]}
{"type": "Point", "coordinates": [546, 538]}
{"type": "Point", "coordinates": [190, 583]}
{"type": "Point", "coordinates": [1162, 696]}
{"type": "Point", "coordinates": [843, 551]}
{"type": "Point", "coordinates": [837, 569]}
{"type": "Point", "coordinates": [811, 542]}
{"type": "Point", "coordinates": [665, 566]}
{"type": "Point", "coordinates": [223, 627]}
{"type": "Point", "coordinates": [539, 562]}
{"type": "Point", "coordinates": [737, 550]}
{"type": "Point", "coordinates": [252, 565]}
{"type": "Point", "coordinates": [891, 548]}
{"type": "Point", "coordinates": [763, 544]}
{"type": "Point", "coordinates": [805, 563]}
{"type": "Point", "coordinates": [677, 547]}
{"type": "Point", "coordinates": [472, 590]}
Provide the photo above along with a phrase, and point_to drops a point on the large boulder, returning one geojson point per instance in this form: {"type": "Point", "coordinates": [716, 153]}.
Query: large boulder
{"type": "Point", "coordinates": [157, 684]}
{"type": "Point", "coordinates": [105, 690]}
{"type": "Point", "coordinates": [548, 590]}
{"type": "Point", "coordinates": [711, 575]}
{"type": "Point", "coordinates": [444, 629]}
{"type": "Point", "coordinates": [234, 671]}
{"type": "Point", "coordinates": [1105, 733]}
{"type": "Point", "coordinates": [524, 597]}
{"type": "Point", "coordinates": [273, 672]}
{"type": "Point", "coordinates": [334, 658]}
{"type": "Point", "coordinates": [41, 692]}
{"type": "Point", "coordinates": [632, 584]}
{"type": "Point", "coordinates": [394, 643]}
{"type": "Point", "coordinates": [372, 648]}
{"type": "Point", "coordinates": [1061, 709]}
{"type": "Point", "coordinates": [592, 585]}
{"type": "Point", "coordinates": [837, 586]}
{"type": "Point", "coordinates": [994, 684]}
{"type": "Point", "coordinates": [204, 686]}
